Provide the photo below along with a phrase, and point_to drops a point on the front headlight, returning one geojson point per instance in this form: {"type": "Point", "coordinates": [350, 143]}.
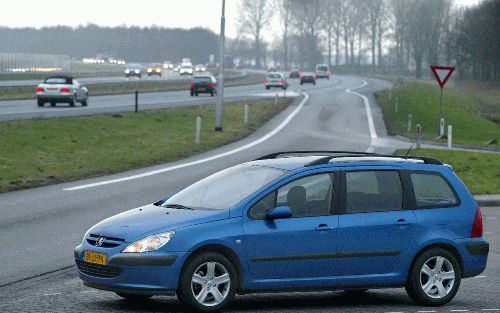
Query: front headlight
{"type": "Point", "coordinates": [150, 243]}
{"type": "Point", "coordinates": [158, 70]}
{"type": "Point", "coordinates": [137, 71]}
{"type": "Point", "coordinates": [149, 70]}
{"type": "Point", "coordinates": [87, 233]}
{"type": "Point", "coordinates": [127, 71]}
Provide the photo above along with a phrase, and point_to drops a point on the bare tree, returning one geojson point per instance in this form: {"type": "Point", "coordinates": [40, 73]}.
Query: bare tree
{"type": "Point", "coordinates": [254, 16]}
{"type": "Point", "coordinates": [331, 26]}
{"type": "Point", "coordinates": [283, 7]}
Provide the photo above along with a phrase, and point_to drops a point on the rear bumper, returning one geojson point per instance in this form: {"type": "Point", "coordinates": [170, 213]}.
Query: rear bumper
{"type": "Point", "coordinates": [58, 98]}
{"type": "Point", "coordinates": [474, 252]}
{"type": "Point", "coordinates": [202, 90]}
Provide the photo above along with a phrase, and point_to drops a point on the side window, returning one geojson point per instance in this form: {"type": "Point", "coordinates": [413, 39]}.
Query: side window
{"type": "Point", "coordinates": [373, 191]}
{"type": "Point", "coordinates": [431, 190]}
{"type": "Point", "coordinates": [308, 196]}
{"type": "Point", "coordinates": [260, 209]}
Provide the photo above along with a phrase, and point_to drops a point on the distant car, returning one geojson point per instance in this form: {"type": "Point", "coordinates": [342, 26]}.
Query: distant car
{"type": "Point", "coordinates": [307, 78]}
{"type": "Point", "coordinates": [133, 70]}
{"type": "Point", "coordinates": [275, 79]}
{"type": "Point", "coordinates": [167, 65]}
{"type": "Point", "coordinates": [186, 60]}
{"type": "Point", "coordinates": [294, 73]}
{"type": "Point", "coordinates": [154, 69]}
{"type": "Point", "coordinates": [322, 71]}
{"type": "Point", "coordinates": [203, 84]}
{"type": "Point", "coordinates": [61, 89]}
{"type": "Point", "coordinates": [177, 67]}
{"type": "Point", "coordinates": [186, 69]}
{"type": "Point", "coordinates": [200, 68]}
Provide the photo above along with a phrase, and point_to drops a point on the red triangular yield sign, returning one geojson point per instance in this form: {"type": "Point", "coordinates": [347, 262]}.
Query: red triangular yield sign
{"type": "Point", "coordinates": [442, 73]}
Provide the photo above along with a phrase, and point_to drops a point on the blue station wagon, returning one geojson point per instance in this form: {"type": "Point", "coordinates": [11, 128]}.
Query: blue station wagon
{"type": "Point", "coordinates": [295, 221]}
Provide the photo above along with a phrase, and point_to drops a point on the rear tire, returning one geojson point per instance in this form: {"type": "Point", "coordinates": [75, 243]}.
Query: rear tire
{"type": "Point", "coordinates": [133, 298]}
{"type": "Point", "coordinates": [434, 278]}
{"type": "Point", "coordinates": [196, 94]}
{"type": "Point", "coordinates": [40, 103]}
{"type": "Point", "coordinates": [267, 88]}
{"type": "Point", "coordinates": [211, 298]}
{"type": "Point", "coordinates": [72, 101]}
{"type": "Point", "coordinates": [52, 104]}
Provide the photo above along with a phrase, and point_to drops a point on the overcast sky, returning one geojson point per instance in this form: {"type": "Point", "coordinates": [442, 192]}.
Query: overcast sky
{"type": "Point", "coordinates": [168, 13]}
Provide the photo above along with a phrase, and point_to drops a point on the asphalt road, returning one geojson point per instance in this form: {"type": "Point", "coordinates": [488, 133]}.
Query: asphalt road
{"type": "Point", "coordinates": [40, 227]}
{"type": "Point", "coordinates": [27, 109]}
{"type": "Point", "coordinates": [167, 76]}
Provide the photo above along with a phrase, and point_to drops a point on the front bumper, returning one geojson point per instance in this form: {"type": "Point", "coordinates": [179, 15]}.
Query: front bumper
{"type": "Point", "coordinates": [151, 273]}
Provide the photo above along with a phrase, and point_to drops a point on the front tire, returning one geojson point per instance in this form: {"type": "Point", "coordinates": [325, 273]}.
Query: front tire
{"type": "Point", "coordinates": [434, 278]}
{"type": "Point", "coordinates": [207, 283]}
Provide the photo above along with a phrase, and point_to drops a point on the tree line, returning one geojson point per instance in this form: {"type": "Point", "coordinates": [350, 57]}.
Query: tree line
{"type": "Point", "coordinates": [137, 44]}
{"type": "Point", "coordinates": [403, 36]}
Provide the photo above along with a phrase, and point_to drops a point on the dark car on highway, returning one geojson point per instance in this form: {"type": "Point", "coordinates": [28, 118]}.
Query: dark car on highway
{"type": "Point", "coordinates": [203, 84]}
{"type": "Point", "coordinates": [295, 73]}
{"type": "Point", "coordinates": [154, 69]}
{"type": "Point", "coordinates": [61, 89]}
{"type": "Point", "coordinates": [133, 70]}
{"type": "Point", "coordinates": [308, 78]}
{"type": "Point", "coordinates": [295, 221]}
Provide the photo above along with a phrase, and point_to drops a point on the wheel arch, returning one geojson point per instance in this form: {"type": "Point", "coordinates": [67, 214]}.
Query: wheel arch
{"type": "Point", "coordinates": [443, 245]}
{"type": "Point", "coordinates": [223, 250]}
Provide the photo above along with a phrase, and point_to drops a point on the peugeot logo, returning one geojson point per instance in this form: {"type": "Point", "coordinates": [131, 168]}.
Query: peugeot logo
{"type": "Point", "coordinates": [99, 241]}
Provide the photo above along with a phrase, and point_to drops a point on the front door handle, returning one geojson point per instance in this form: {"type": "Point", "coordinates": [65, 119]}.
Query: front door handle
{"type": "Point", "coordinates": [323, 227]}
{"type": "Point", "coordinates": [402, 222]}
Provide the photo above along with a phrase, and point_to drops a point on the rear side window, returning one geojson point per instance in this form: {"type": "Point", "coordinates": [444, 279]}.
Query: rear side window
{"type": "Point", "coordinates": [373, 191]}
{"type": "Point", "coordinates": [431, 190]}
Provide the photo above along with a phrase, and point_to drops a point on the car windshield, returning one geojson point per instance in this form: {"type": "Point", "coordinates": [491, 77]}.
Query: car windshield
{"type": "Point", "coordinates": [322, 68]}
{"type": "Point", "coordinates": [226, 188]}
{"type": "Point", "coordinates": [56, 81]}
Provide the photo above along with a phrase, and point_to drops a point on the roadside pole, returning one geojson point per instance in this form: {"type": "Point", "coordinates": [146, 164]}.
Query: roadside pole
{"type": "Point", "coordinates": [220, 92]}
{"type": "Point", "coordinates": [442, 74]}
{"type": "Point", "coordinates": [198, 130]}
{"type": "Point", "coordinates": [136, 101]}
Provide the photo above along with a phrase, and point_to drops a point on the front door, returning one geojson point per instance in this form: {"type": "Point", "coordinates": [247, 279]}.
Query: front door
{"type": "Point", "coordinates": [302, 246]}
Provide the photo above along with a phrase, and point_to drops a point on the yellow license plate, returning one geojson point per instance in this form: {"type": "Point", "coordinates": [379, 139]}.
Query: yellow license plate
{"type": "Point", "coordinates": [201, 89]}
{"type": "Point", "coordinates": [52, 89]}
{"type": "Point", "coordinates": [94, 257]}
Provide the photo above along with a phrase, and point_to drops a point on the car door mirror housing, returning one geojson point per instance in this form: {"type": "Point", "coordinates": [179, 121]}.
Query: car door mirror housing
{"type": "Point", "coordinates": [279, 212]}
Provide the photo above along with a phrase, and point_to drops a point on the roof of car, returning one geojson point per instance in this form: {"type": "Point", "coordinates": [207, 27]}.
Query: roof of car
{"type": "Point", "coordinates": [299, 159]}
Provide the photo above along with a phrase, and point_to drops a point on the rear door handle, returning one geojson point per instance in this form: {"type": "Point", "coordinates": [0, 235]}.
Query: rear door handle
{"type": "Point", "coordinates": [402, 222]}
{"type": "Point", "coordinates": [323, 227]}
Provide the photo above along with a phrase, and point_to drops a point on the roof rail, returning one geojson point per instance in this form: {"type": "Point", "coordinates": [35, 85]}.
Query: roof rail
{"type": "Point", "coordinates": [327, 159]}
{"type": "Point", "coordinates": [326, 153]}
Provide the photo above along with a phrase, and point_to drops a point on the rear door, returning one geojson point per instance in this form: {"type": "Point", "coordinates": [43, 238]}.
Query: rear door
{"type": "Point", "coordinates": [375, 230]}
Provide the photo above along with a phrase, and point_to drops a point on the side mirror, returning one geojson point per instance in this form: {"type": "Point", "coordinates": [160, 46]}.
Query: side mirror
{"type": "Point", "coordinates": [279, 212]}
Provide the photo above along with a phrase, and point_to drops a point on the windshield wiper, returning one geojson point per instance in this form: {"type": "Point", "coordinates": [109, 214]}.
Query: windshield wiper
{"type": "Point", "coordinates": [177, 206]}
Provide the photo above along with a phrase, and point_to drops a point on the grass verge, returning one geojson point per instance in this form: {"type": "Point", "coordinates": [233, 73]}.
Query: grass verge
{"type": "Point", "coordinates": [474, 117]}
{"type": "Point", "coordinates": [479, 171]}
{"type": "Point", "coordinates": [41, 152]}
{"type": "Point", "coordinates": [27, 92]}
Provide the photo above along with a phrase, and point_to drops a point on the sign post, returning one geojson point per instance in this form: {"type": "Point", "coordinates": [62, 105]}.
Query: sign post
{"type": "Point", "coordinates": [442, 74]}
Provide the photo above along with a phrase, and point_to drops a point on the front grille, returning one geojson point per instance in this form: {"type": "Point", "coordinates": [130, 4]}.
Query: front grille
{"type": "Point", "coordinates": [107, 242]}
{"type": "Point", "coordinates": [96, 270]}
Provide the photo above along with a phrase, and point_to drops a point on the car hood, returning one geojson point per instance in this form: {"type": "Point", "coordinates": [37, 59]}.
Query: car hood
{"type": "Point", "coordinates": [141, 222]}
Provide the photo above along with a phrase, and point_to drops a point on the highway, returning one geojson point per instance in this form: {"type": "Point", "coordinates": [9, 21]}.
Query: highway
{"type": "Point", "coordinates": [40, 227]}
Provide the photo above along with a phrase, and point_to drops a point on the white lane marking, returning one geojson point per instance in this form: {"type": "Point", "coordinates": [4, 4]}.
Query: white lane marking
{"type": "Point", "coordinates": [426, 311]}
{"type": "Point", "coordinates": [481, 276]}
{"type": "Point", "coordinates": [218, 156]}
{"type": "Point", "coordinates": [459, 310]}
{"type": "Point", "coordinates": [371, 124]}
{"type": "Point", "coordinates": [490, 310]}
{"type": "Point", "coordinates": [491, 218]}
{"type": "Point", "coordinates": [52, 294]}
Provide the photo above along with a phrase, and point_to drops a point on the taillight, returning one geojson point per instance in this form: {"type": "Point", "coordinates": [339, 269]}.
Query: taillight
{"type": "Point", "coordinates": [210, 85]}
{"type": "Point", "coordinates": [282, 81]}
{"type": "Point", "coordinates": [40, 89]}
{"type": "Point", "coordinates": [266, 81]}
{"type": "Point", "coordinates": [65, 89]}
{"type": "Point", "coordinates": [301, 78]}
{"type": "Point", "coordinates": [477, 227]}
{"type": "Point", "coordinates": [191, 85]}
{"type": "Point", "coordinates": [290, 73]}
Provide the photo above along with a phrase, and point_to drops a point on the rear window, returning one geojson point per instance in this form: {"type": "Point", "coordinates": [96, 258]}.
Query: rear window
{"type": "Point", "coordinates": [202, 80]}
{"type": "Point", "coordinates": [322, 68]}
{"type": "Point", "coordinates": [431, 190]}
{"type": "Point", "coordinates": [373, 191]}
{"type": "Point", "coordinates": [274, 76]}
{"type": "Point", "coordinates": [57, 80]}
